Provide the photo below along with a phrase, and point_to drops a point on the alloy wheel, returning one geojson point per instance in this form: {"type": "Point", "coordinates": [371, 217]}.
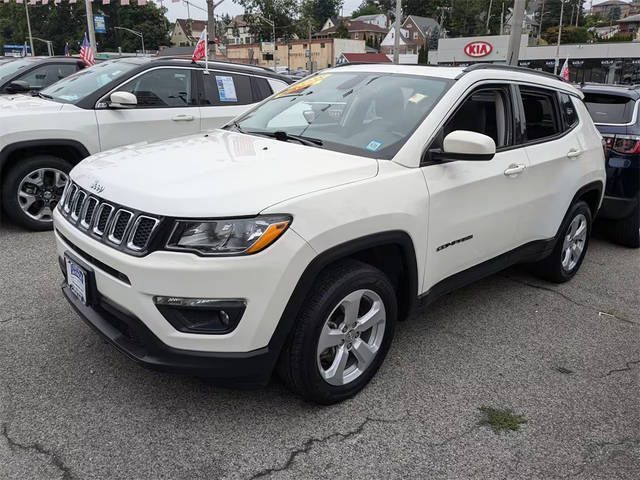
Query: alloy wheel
{"type": "Point", "coordinates": [574, 242]}
{"type": "Point", "coordinates": [39, 192]}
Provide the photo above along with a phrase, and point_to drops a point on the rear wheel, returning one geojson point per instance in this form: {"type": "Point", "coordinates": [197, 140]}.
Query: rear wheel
{"type": "Point", "coordinates": [342, 334]}
{"type": "Point", "coordinates": [571, 246]}
{"type": "Point", "coordinates": [627, 231]}
{"type": "Point", "coordinates": [32, 189]}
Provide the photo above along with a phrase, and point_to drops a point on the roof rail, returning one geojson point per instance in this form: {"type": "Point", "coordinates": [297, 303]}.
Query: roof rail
{"type": "Point", "coordinates": [491, 66]}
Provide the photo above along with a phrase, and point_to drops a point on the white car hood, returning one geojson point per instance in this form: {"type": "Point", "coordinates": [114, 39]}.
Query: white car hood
{"type": "Point", "coordinates": [220, 173]}
{"type": "Point", "coordinates": [9, 104]}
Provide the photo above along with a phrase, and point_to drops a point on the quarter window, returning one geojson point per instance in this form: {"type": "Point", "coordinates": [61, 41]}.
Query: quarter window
{"type": "Point", "coordinates": [568, 111]}
{"type": "Point", "coordinates": [541, 115]}
{"type": "Point", "coordinates": [162, 88]}
{"type": "Point", "coordinates": [222, 88]}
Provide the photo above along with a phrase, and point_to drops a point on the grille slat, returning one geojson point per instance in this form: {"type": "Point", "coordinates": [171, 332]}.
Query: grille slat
{"type": "Point", "coordinates": [118, 227]}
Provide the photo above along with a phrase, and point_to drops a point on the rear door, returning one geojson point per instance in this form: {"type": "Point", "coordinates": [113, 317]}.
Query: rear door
{"type": "Point", "coordinates": [167, 108]}
{"type": "Point", "coordinates": [226, 95]}
{"type": "Point", "coordinates": [553, 145]}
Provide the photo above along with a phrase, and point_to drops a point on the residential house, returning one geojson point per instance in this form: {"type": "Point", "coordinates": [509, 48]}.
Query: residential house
{"type": "Point", "coordinates": [609, 7]}
{"type": "Point", "coordinates": [237, 32]}
{"type": "Point", "coordinates": [415, 32]}
{"type": "Point", "coordinates": [630, 24]}
{"type": "Point", "coordinates": [186, 32]}
{"type": "Point", "coordinates": [357, 31]}
{"type": "Point", "coordinates": [380, 19]}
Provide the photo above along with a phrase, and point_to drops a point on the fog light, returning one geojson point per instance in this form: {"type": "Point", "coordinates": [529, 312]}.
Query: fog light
{"type": "Point", "coordinates": [201, 315]}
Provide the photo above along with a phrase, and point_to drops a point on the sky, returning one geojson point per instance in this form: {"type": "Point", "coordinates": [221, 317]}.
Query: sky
{"type": "Point", "coordinates": [179, 10]}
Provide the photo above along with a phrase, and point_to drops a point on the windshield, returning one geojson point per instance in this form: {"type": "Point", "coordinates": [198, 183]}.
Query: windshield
{"type": "Point", "coordinates": [75, 87]}
{"type": "Point", "coordinates": [614, 109]}
{"type": "Point", "coordinates": [7, 69]}
{"type": "Point", "coordinates": [369, 114]}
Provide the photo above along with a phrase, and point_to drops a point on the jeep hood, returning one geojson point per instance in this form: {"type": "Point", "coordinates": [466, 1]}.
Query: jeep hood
{"type": "Point", "coordinates": [220, 173]}
{"type": "Point", "coordinates": [9, 104]}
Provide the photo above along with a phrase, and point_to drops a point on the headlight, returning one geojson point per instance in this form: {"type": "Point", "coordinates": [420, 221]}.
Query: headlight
{"type": "Point", "coordinates": [228, 237]}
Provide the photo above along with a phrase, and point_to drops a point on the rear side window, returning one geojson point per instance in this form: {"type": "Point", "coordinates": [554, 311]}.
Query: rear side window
{"type": "Point", "coordinates": [609, 108]}
{"type": "Point", "coordinates": [568, 111]}
{"type": "Point", "coordinates": [46, 75]}
{"type": "Point", "coordinates": [222, 88]}
{"type": "Point", "coordinates": [261, 88]}
{"type": "Point", "coordinates": [541, 114]}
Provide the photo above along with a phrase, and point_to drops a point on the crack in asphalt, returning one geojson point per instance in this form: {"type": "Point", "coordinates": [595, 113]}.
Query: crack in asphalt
{"type": "Point", "coordinates": [310, 443]}
{"type": "Point", "coordinates": [569, 299]}
{"type": "Point", "coordinates": [55, 460]}
{"type": "Point", "coordinates": [588, 460]}
{"type": "Point", "coordinates": [626, 369]}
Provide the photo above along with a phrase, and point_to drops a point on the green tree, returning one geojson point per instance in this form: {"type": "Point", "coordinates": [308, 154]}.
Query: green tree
{"type": "Point", "coordinates": [569, 35]}
{"type": "Point", "coordinates": [365, 9]}
{"type": "Point", "coordinates": [317, 11]}
{"type": "Point", "coordinates": [342, 31]}
{"type": "Point", "coordinates": [423, 56]}
{"type": "Point", "coordinates": [282, 12]}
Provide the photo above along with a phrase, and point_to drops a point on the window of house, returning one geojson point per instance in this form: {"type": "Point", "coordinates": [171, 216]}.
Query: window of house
{"type": "Point", "coordinates": [322, 45]}
{"type": "Point", "coordinates": [355, 35]}
{"type": "Point", "coordinates": [415, 35]}
{"type": "Point", "coordinates": [541, 114]}
{"type": "Point", "coordinates": [487, 111]}
{"type": "Point", "coordinates": [163, 87]}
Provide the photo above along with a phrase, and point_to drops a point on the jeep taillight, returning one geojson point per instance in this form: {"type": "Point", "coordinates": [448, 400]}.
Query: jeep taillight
{"type": "Point", "coordinates": [627, 144]}
{"type": "Point", "coordinates": [608, 141]}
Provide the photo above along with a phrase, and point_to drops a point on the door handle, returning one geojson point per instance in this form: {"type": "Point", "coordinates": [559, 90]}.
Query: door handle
{"type": "Point", "coordinates": [573, 153]}
{"type": "Point", "coordinates": [182, 118]}
{"type": "Point", "coordinates": [514, 169]}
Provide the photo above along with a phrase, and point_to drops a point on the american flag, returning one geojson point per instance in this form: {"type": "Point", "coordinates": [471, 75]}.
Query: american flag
{"type": "Point", "coordinates": [86, 54]}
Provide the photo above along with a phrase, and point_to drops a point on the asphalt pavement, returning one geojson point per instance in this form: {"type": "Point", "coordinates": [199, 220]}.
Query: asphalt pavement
{"type": "Point", "coordinates": [565, 357]}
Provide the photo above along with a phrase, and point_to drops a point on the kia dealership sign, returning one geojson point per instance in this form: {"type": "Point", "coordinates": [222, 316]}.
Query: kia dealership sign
{"type": "Point", "coordinates": [477, 49]}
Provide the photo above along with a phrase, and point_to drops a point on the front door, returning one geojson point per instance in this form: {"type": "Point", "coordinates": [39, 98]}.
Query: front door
{"type": "Point", "coordinates": [167, 108]}
{"type": "Point", "coordinates": [475, 206]}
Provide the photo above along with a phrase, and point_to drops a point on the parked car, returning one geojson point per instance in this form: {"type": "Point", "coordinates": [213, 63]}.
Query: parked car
{"type": "Point", "coordinates": [31, 74]}
{"type": "Point", "coordinates": [614, 110]}
{"type": "Point", "coordinates": [111, 104]}
{"type": "Point", "coordinates": [297, 236]}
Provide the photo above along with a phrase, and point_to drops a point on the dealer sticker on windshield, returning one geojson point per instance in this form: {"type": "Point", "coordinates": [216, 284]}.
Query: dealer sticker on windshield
{"type": "Point", "coordinates": [374, 145]}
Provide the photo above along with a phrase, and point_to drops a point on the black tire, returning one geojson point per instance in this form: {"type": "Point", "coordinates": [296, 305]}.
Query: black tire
{"type": "Point", "coordinates": [551, 268]}
{"type": "Point", "coordinates": [12, 179]}
{"type": "Point", "coordinates": [298, 365]}
{"type": "Point", "coordinates": [626, 232]}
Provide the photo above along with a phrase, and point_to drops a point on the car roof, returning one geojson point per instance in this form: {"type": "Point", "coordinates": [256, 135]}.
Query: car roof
{"type": "Point", "coordinates": [630, 91]}
{"type": "Point", "coordinates": [213, 64]}
{"type": "Point", "coordinates": [479, 71]}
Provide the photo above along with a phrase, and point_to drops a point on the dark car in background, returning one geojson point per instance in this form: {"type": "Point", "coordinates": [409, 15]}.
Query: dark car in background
{"type": "Point", "coordinates": [614, 110]}
{"type": "Point", "coordinates": [31, 74]}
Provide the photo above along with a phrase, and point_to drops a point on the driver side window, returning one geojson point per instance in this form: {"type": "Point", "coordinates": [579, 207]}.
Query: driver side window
{"type": "Point", "coordinates": [162, 88]}
{"type": "Point", "coordinates": [487, 111]}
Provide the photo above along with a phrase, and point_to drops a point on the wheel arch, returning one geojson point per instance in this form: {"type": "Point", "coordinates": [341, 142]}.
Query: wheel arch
{"type": "Point", "coordinates": [382, 250]}
{"type": "Point", "coordinates": [590, 193]}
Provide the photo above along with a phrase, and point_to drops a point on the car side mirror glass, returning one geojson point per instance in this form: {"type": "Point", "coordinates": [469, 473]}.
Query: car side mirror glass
{"type": "Point", "coordinates": [122, 100]}
{"type": "Point", "coordinates": [466, 145]}
{"type": "Point", "coordinates": [18, 86]}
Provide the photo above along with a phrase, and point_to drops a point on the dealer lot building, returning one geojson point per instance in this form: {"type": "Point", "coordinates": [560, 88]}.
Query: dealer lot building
{"type": "Point", "coordinates": [588, 62]}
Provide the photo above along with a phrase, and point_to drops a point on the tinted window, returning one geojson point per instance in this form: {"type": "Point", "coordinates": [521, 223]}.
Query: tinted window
{"type": "Point", "coordinates": [261, 88]}
{"type": "Point", "coordinates": [568, 111]}
{"type": "Point", "coordinates": [541, 116]}
{"type": "Point", "coordinates": [47, 75]}
{"type": "Point", "coordinates": [609, 108]}
{"type": "Point", "coordinates": [163, 87]}
{"type": "Point", "coordinates": [486, 111]}
{"type": "Point", "coordinates": [221, 88]}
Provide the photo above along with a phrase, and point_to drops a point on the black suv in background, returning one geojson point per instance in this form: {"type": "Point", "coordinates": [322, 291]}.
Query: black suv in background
{"type": "Point", "coordinates": [614, 110]}
{"type": "Point", "coordinates": [31, 74]}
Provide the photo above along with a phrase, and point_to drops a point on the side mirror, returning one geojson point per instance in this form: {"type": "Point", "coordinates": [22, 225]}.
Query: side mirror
{"type": "Point", "coordinates": [466, 145]}
{"type": "Point", "coordinates": [18, 86]}
{"type": "Point", "coordinates": [122, 100]}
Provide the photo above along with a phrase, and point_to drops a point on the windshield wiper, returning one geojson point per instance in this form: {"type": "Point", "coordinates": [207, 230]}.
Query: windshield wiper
{"type": "Point", "coordinates": [237, 127]}
{"type": "Point", "coordinates": [44, 95]}
{"type": "Point", "coordinates": [285, 137]}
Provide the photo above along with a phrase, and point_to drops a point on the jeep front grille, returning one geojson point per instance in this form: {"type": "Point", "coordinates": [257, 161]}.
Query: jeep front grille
{"type": "Point", "coordinates": [112, 224]}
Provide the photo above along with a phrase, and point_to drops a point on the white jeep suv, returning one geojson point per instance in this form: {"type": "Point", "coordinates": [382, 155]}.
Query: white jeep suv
{"type": "Point", "coordinates": [297, 236]}
{"type": "Point", "coordinates": [114, 103]}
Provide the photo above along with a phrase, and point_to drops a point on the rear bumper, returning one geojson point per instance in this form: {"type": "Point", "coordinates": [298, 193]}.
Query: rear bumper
{"type": "Point", "coordinates": [616, 208]}
{"type": "Point", "coordinates": [129, 335]}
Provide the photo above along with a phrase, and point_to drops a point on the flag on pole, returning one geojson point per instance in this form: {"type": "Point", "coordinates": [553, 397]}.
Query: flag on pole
{"type": "Point", "coordinates": [32, 2]}
{"type": "Point", "coordinates": [19, 1]}
{"type": "Point", "coordinates": [44, 2]}
{"type": "Point", "coordinates": [124, 2]}
{"type": "Point", "coordinates": [201, 47]}
{"type": "Point", "coordinates": [66, 50]}
{"type": "Point", "coordinates": [564, 73]}
{"type": "Point", "coordinates": [86, 54]}
{"type": "Point", "coordinates": [142, 2]}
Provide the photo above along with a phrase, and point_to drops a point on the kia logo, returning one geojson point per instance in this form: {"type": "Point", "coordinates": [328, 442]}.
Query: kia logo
{"type": "Point", "coordinates": [478, 49]}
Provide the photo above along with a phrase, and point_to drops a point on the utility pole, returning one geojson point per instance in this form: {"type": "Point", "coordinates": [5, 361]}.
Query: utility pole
{"type": "Point", "coordinates": [489, 15]}
{"type": "Point", "coordinates": [26, 9]}
{"type": "Point", "coordinates": [92, 32]}
{"type": "Point", "coordinates": [211, 25]}
{"type": "Point", "coordinates": [555, 66]}
{"type": "Point", "coordinates": [502, 20]}
{"type": "Point", "coordinates": [540, 23]}
{"type": "Point", "coordinates": [396, 43]}
{"type": "Point", "coordinates": [513, 52]}
{"type": "Point", "coordinates": [309, 44]}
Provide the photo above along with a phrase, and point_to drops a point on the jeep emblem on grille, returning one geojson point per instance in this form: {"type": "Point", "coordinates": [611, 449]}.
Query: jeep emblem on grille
{"type": "Point", "coordinates": [96, 187]}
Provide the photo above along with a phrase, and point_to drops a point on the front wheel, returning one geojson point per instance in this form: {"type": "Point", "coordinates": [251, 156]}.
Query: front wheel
{"type": "Point", "coordinates": [342, 334]}
{"type": "Point", "coordinates": [32, 189]}
{"type": "Point", "coordinates": [571, 246]}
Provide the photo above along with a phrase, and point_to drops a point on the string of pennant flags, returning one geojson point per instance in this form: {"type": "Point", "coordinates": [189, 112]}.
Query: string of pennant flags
{"type": "Point", "coordinates": [104, 2]}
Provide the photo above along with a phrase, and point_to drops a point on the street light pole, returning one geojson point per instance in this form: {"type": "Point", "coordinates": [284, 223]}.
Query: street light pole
{"type": "Point", "coordinates": [49, 45]}
{"type": "Point", "coordinates": [555, 66]}
{"type": "Point", "coordinates": [26, 9]}
{"type": "Point", "coordinates": [513, 52]}
{"type": "Point", "coordinates": [92, 32]}
{"type": "Point", "coordinates": [136, 33]}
